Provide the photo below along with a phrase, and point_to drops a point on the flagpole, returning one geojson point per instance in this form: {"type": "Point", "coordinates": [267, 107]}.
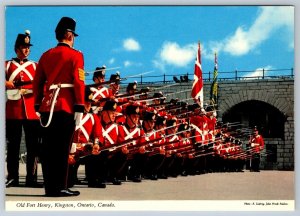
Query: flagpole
{"type": "Point", "coordinates": [214, 84]}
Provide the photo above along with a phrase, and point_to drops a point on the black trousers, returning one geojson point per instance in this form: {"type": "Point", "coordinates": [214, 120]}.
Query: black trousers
{"type": "Point", "coordinates": [164, 170]}
{"type": "Point", "coordinates": [96, 167]}
{"type": "Point", "coordinates": [56, 143]}
{"type": "Point", "coordinates": [137, 164]}
{"type": "Point", "coordinates": [117, 164]}
{"type": "Point", "coordinates": [176, 168]}
{"type": "Point", "coordinates": [32, 131]}
{"type": "Point", "coordinates": [153, 164]}
{"type": "Point", "coordinates": [255, 161]}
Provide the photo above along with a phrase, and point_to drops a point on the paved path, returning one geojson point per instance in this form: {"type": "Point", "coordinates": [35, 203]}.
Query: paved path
{"type": "Point", "coordinates": [266, 185]}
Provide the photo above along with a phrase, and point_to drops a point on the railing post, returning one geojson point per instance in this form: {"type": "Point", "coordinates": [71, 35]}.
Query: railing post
{"type": "Point", "coordinates": [164, 78]}
{"type": "Point", "coordinates": [141, 79]}
{"type": "Point", "coordinates": [263, 74]}
{"type": "Point", "coordinates": [236, 74]}
{"type": "Point", "coordinates": [292, 72]}
{"type": "Point", "coordinates": [208, 75]}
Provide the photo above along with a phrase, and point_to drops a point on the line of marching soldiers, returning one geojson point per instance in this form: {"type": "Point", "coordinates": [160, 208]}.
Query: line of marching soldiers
{"type": "Point", "coordinates": [133, 136]}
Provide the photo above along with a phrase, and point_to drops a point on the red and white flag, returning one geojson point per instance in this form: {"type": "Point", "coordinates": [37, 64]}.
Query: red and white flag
{"type": "Point", "coordinates": [197, 89]}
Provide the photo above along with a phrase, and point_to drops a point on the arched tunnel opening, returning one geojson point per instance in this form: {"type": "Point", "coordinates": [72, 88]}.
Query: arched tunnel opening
{"type": "Point", "coordinates": [268, 119]}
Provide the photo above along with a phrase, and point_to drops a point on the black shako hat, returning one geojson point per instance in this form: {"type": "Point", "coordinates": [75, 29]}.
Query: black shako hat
{"type": "Point", "coordinates": [148, 116]}
{"type": "Point", "coordinates": [131, 86]}
{"type": "Point", "coordinates": [132, 109]}
{"type": "Point", "coordinates": [66, 24]}
{"type": "Point", "coordinates": [158, 95]}
{"type": "Point", "coordinates": [23, 40]}
{"type": "Point", "coordinates": [99, 72]}
{"type": "Point", "coordinates": [171, 122]}
{"type": "Point", "coordinates": [110, 105]}
{"type": "Point", "coordinates": [160, 120]}
{"type": "Point", "coordinates": [115, 77]}
{"type": "Point", "coordinates": [183, 127]}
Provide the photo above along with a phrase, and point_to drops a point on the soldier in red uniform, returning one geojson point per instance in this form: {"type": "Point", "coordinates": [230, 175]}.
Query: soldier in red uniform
{"type": "Point", "coordinates": [240, 156]}
{"type": "Point", "coordinates": [172, 163]}
{"type": "Point", "coordinates": [124, 99]}
{"type": "Point", "coordinates": [102, 159]}
{"type": "Point", "coordinates": [117, 156]}
{"type": "Point", "coordinates": [209, 130]}
{"type": "Point", "coordinates": [132, 130]}
{"type": "Point", "coordinates": [19, 73]}
{"type": "Point", "coordinates": [160, 125]}
{"type": "Point", "coordinates": [257, 145]}
{"type": "Point", "coordinates": [187, 150]}
{"type": "Point", "coordinates": [156, 153]}
{"type": "Point", "coordinates": [88, 135]}
{"type": "Point", "coordinates": [211, 124]}
{"type": "Point", "coordinates": [218, 156]}
{"type": "Point", "coordinates": [114, 86]}
{"type": "Point", "coordinates": [132, 89]}
{"type": "Point", "coordinates": [59, 98]}
{"type": "Point", "coordinates": [196, 123]}
{"type": "Point", "coordinates": [159, 101]}
{"type": "Point", "coordinates": [100, 92]}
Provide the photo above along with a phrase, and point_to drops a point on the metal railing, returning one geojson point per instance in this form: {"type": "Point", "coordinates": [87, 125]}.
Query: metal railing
{"type": "Point", "coordinates": [208, 76]}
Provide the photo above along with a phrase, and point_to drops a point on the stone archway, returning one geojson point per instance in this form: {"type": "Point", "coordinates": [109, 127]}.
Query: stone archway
{"type": "Point", "coordinates": [282, 104]}
{"type": "Point", "coordinates": [252, 113]}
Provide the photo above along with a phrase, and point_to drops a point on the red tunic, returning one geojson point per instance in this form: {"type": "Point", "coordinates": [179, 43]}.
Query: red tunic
{"type": "Point", "coordinates": [197, 133]}
{"type": "Point", "coordinates": [211, 124]}
{"type": "Point", "coordinates": [217, 147]}
{"type": "Point", "coordinates": [22, 108]}
{"type": "Point", "coordinates": [186, 146]}
{"type": "Point", "coordinates": [201, 123]}
{"type": "Point", "coordinates": [174, 142]}
{"type": "Point", "coordinates": [88, 129]}
{"type": "Point", "coordinates": [62, 73]}
{"type": "Point", "coordinates": [258, 139]}
{"type": "Point", "coordinates": [100, 93]}
{"type": "Point", "coordinates": [112, 93]}
{"type": "Point", "coordinates": [134, 133]}
{"type": "Point", "coordinates": [111, 135]}
{"type": "Point", "coordinates": [154, 147]}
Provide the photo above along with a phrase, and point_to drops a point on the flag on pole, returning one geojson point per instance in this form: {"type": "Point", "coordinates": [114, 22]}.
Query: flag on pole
{"type": "Point", "coordinates": [214, 85]}
{"type": "Point", "coordinates": [197, 89]}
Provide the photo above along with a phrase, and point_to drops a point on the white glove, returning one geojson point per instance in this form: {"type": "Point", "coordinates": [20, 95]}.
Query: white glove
{"type": "Point", "coordinates": [73, 148]}
{"type": "Point", "coordinates": [77, 118]}
{"type": "Point", "coordinates": [38, 114]}
{"type": "Point", "coordinates": [253, 144]}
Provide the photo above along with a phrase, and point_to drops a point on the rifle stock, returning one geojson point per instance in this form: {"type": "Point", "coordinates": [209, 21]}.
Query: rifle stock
{"type": "Point", "coordinates": [22, 83]}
